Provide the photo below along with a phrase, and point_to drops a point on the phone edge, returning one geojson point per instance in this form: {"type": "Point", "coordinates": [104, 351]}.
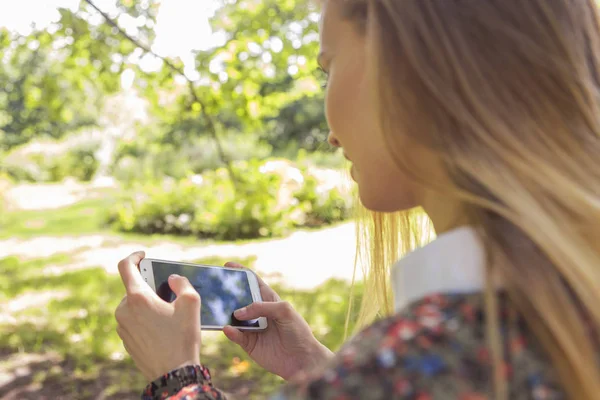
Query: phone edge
{"type": "Point", "coordinates": [147, 272]}
{"type": "Point", "coordinates": [256, 297]}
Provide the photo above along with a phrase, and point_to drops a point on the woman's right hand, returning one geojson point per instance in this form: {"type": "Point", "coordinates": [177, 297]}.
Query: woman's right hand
{"type": "Point", "coordinates": [287, 347]}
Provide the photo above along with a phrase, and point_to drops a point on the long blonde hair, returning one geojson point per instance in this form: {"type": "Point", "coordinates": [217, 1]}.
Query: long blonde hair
{"type": "Point", "coordinates": [507, 94]}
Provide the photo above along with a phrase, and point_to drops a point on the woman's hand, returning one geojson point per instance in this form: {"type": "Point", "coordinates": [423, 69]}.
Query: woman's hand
{"type": "Point", "coordinates": [287, 347]}
{"type": "Point", "coordinates": [159, 336]}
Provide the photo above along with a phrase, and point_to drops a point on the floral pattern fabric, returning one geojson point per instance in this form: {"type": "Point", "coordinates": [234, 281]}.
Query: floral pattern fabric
{"type": "Point", "coordinates": [435, 349]}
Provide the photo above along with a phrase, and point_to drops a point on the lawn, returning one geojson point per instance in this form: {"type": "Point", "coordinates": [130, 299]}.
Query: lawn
{"type": "Point", "coordinates": [57, 327]}
{"type": "Point", "coordinates": [85, 217]}
{"type": "Point", "coordinates": [76, 326]}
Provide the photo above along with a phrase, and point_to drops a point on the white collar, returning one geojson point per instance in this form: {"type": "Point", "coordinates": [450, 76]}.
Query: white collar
{"type": "Point", "coordinates": [452, 263]}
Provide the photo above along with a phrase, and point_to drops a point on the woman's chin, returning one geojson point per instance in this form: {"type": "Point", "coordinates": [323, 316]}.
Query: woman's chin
{"type": "Point", "coordinates": [372, 199]}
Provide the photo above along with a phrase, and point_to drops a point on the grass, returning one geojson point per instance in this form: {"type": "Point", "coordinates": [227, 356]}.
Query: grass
{"type": "Point", "coordinates": [85, 217]}
{"type": "Point", "coordinates": [77, 324]}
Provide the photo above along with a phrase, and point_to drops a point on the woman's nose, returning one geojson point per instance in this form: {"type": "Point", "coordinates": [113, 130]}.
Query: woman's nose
{"type": "Point", "coordinates": [333, 140]}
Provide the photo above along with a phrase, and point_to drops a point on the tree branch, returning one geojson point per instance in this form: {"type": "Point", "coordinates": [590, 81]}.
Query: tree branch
{"type": "Point", "coordinates": [209, 120]}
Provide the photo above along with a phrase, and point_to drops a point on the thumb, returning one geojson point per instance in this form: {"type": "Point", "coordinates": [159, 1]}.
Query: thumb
{"type": "Point", "coordinates": [184, 291]}
{"type": "Point", "coordinates": [237, 336]}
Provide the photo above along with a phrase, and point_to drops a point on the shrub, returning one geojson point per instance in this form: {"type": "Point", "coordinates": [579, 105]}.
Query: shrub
{"type": "Point", "coordinates": [323, 204]}
{"type": "Point", "coordinates": [202, 153]}
{"type": "Point", "coordinates": [206, 206]}
{"type": "Point", "coordinates": [78, 161]}
{"type": "Point", "coordinates": [148, 158]}
{"type": "Point", "coordinates": [255, 210]}
{"type": "Point", "coordinates": [271, 198]}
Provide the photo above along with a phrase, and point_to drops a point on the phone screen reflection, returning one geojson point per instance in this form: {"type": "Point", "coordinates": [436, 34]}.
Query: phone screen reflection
{"type": "Point", "coordinates": [222, 291]}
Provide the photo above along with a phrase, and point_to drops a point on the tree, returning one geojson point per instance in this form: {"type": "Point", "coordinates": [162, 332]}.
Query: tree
{"type": "Point", "coordinates": [266, 64]}
{"type": "Point", "coordinates": [262, 80]}
{"type": "Point", "coordinates": [53, 81]}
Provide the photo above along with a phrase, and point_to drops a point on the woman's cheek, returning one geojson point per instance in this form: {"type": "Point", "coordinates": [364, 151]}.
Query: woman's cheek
{"type": "Point", "coordinates": [339, 111]}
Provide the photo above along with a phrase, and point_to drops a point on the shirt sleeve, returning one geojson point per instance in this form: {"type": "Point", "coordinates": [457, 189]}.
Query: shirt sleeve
{"type": "Point", "coordinates": [188, 383]}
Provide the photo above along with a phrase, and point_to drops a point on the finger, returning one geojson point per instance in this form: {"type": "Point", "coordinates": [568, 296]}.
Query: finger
{"type": "Point", "coordinates": [232, 264]}
{"type": "Point", "coordinates": [236, 336]}
{"type": "Point", "coordinates": [280, 310]}
{"type": "Point", "coordinates": [130, 274]}
{"type": "Point", "coordinates": [184, 291]}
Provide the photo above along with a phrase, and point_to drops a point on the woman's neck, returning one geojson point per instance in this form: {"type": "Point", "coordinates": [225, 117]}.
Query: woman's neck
{"type": "Point", "coordinates": [445, 214]}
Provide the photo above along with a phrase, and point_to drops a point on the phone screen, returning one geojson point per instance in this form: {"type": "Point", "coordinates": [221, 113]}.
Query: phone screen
{"type": "Point", "coordinates": [222, 291]}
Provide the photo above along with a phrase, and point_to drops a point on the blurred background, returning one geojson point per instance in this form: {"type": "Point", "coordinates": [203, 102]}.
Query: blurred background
{"type": "Point", "coordinates": [193, 130]}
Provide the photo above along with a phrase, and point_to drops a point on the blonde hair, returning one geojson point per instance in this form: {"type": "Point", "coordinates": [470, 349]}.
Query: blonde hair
{"type": "Point", "coordinates": [506, 93]}
{"type": "Point", "coordinates": [382, 238]}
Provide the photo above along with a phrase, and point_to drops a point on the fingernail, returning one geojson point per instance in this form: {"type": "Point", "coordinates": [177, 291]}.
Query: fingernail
{"type": "Point", "coordinates": [174, 276]}
{"type": "Point", "coordinates": [240, 313]}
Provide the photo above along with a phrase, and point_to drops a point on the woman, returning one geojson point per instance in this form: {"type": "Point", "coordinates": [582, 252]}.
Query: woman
{"type": "Point", "coordinates": [486, 113]}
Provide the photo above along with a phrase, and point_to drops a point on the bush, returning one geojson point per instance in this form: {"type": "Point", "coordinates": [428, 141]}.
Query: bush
{"type": "Point", "coordinates": [323, 204]}
{"type": "Point", "coordinates": [148, 158]}
{"type": "Point", "coordinates": [206, 206]}
{"type": "Point", "coordinates": [272, 198]}
{"type": "Point", "coordinates": [78, 161]}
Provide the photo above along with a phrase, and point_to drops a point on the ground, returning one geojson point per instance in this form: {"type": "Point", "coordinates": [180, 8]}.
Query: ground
{"type": "Point", "coordinates": [59, 287]}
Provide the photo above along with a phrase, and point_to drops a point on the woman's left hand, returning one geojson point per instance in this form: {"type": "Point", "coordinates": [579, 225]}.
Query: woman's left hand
{"type": "Point", "coordinates": [159, 336]}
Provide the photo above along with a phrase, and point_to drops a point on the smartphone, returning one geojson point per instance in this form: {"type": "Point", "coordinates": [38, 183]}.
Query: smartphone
{"type": "Point", "coordinates": [223, 290]}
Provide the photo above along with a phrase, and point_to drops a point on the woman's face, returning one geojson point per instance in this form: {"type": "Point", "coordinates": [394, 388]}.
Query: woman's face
{"type": "Point", "coordinates": [351, 115]}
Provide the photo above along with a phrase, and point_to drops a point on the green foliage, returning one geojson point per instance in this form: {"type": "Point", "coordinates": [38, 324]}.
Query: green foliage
{"type": "Point", "coordinates": [262, 80]}
{"type": "Point", "coordinates": [38, 95]}
{"type": "Point", "coordinates": [301, 123]}
{"type": "Point", "coordinates": [254, 212]}
{"type": "Point", "coordinates": [151, 155]}
{"type": "Point", "coordinates": [322, 205]}
{"type": "Point", "coordinates": [53, 82]}
{"type": "Point", "coordinates": [208, 208]}
{"type": "Point", "coordinates": [263, 206]}
{"type": "Point", "coordinates": [268, 59]}
{"type": "Point", "coordinates": [77, 161]}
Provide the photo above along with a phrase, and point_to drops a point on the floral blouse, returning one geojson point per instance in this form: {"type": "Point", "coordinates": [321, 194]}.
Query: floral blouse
{"type": "Point", "coordinates": [434, 349]}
